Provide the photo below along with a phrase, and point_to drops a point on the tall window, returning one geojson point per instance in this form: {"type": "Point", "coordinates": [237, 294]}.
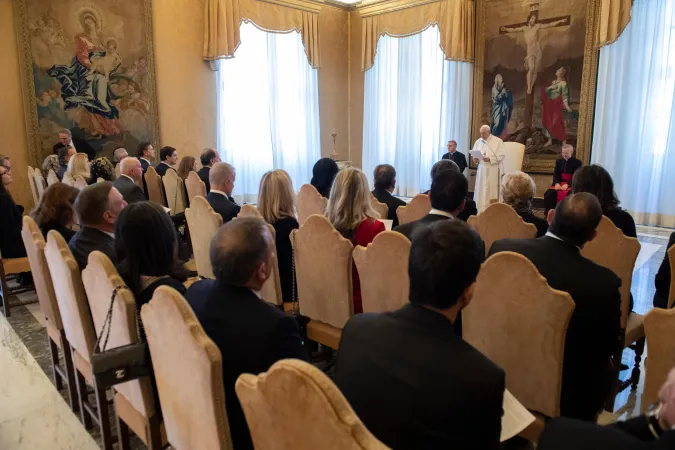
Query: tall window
{"type": "Point", "coordinates": [268, 110]}
{"type": "Point", "coordinates": [634, 128]}
{"type": "Point", "coordinates": [415, 102]}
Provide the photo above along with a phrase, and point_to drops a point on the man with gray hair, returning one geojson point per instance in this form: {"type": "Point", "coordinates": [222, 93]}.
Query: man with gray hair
{"type": "Point", "coordinates": [250, 333]}
{"type": "Point", "coordinates": [222, 177]}
{"type": "Point", "coordinates": [565, 168]}
{"type": "Point", "coordinates": [119, 154]}
{"type": "Point", "coordinates": [490, 168]}
{"type": "Point", "coordinates": [130, 181]}
{"type": "Point", "coordinates": [80, 145]}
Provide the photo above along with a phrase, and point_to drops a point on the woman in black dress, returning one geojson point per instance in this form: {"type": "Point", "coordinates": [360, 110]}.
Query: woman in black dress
{"type": "Point", "coordinates": [147, 248]}
{"type": "Point", "coordinates": [595, 180]}
{"type": "Point", "coordinates": [518, 191]}
{"type": "Point", "coordinates": [276, 203]}
{"type": "Point", "coordinates": [11, 244]}
{"type": "Point", "coordinates": [323, 174]}
{"type": "Point", "coordinates": [55, 210]}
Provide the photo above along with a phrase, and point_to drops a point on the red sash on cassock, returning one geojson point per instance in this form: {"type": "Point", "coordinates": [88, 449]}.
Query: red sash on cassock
{"type": "Point", "coordinates": [566, 178]}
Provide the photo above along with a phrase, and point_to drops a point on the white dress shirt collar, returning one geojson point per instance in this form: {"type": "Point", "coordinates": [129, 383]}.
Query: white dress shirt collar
{"type": "Point", "coordinates": [220, 192]}
{"type": "Point", "coordinates": [146, 160]}
{"type": "Point", "coordinates": [125, 175]}
{"type": "Point", "coordinates": [438, 212]}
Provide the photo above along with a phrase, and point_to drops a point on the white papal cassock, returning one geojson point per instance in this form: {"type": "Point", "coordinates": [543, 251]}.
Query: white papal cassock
{"type": "Point", "coordinates": [488, 179]}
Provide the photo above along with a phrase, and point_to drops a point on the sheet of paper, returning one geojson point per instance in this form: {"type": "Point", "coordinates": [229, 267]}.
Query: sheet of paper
{"type": "Point", "coordinates": [476, 154]}
{"type": "Point", "coordinates": [516, 417]}
{"type": "Point", "coordinates": [387, 224]}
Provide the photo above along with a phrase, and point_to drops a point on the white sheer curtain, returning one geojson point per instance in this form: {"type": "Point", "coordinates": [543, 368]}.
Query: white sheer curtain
{"type": "Point", "coordinates": [268, 110]}
{"type": "Point", "coordinates": [634, 133]}
{"type": "Point", "coordinates": [415, 102]}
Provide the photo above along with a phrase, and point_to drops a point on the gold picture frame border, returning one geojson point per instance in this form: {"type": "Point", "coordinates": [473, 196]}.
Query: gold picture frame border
{"type": "Point", "coordinates": [23, 41]}
{"type": "Point", "coordinates": [588, 86]}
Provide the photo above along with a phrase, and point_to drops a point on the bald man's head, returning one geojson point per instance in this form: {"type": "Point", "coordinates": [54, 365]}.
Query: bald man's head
{"type": "Point", "coordinates": [576, 218]}
{"type": "Point", "coordinates": [222, 177]}
{"type": "Point", "coordinates": [131, 167]}
{"type": "Point", "coordinates": [241, 253]}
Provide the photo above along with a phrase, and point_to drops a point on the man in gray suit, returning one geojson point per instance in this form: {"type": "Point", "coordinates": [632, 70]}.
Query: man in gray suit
{"type": "Point", "coordinates": [130, 179]}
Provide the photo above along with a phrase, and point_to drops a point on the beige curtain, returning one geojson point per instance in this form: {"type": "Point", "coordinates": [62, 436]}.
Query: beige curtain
{"type": "Point", "coordinates": [614, 16]}
{"type": "Point", "coordinates": [223, 18]}
{"type": "Point", "coordinates": [455, 19]}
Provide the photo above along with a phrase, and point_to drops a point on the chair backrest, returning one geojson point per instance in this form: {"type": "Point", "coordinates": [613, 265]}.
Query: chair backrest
{"type": "Point", "coordinates": [33, 187]}
{"type": "Point", "coordinates": [671, 293]}
{"type": "Point", "coordinates": [154, 185]}
{"type": "Point", "coordinates": [310, 202]}
{"type": "Point", "coordinates": [100, 278]}
{"type": "Point", "coordinates": [613, 250]}
{"type": "Point", "coordinates": [175, 193]}
{"type": "Point", "coordinates": [195, 186]}
{"type": "Point", "coordinates": [35, 249]}
{"type": "Point", "coordinates": [659, 330]}
{"type": "Point", "coordinates": [203, 223]}
{"type": "Point", "coordinates": [295, 406]}
{"type": "Point", "coordinates": [100, 180]}
{"type": "Point", "coordinates": [513, 158]}
{"type": "Point", "coordinates": [40, 183]}
{"type": "Point", "coordinates": [383, 271]}
{"type": "Point", "coordinates": [189, 374]}
{"type": "Point", "coordinates": [80, 183]}
{"type": "Point", "coordinates": [51, 177]}
{"type": "Point", "coordinates": [500, 221]}
{"type": "Point", "coordinates": [521, 327]}
{"type": "Point", "coordinates": [418, 207]}
{"type": "Point", "coordinates": [70, 295]}
{"type": "Point", "coordinates": [68, 179]}
{"type": "Point", "coordinates": [323, 270]}
{"type": "Point", "coordinates": [250, 211]}
{"type": "Point", "coordinates": [381, 208]}
{"type": "Point", "coordinates": [118, 167]}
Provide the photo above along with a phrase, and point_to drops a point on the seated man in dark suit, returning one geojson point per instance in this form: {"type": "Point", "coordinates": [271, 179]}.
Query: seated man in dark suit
{"type": "Point", "coordinates": [653, 431]}
{"type": "Point", "coordinates": [129, 181]}
{"type": "Point", "coordinates": [97, 207]}
{"type": "Point", "coordinates": [469, 208]}
{"type": "Point", "coordinates": [145, 154]}
{"type": "Point", "coordinates": [168, 157]}
{"type": "Point", "coordinates": [384, 178]}
{"type": "Point", "coordinates": [409, 378]}
{"type": "Point", "coordinates": [82, 146]}
{"type": "Point", "coordinates": [594, 331]}
{"type": "Point", "coordinates": [222, 177]}
{"type": "Point", "coordinates": [208, 158]}
{"type": "Point", "coordinates": [65, 153]}
{"type": "Point", "coordinates": [251, 334]}
{"type": "Point", "coordinates": [455, 156]}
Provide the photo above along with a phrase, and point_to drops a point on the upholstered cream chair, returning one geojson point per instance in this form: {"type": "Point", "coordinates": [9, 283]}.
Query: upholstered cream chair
{"type": "Point", "coordinates": [33, 187]}
{"type": "Point", "coordinates": [513, 159]}
{"type": "Point", "coordinates": [195, 186]}
{"type": "Point", "coordinates": [40, 183]}
{"type": "Point", "coordinates": [68, 179]}
{"type": "Point", "coordinates": [271, 291]}
{"type": "Point", "coordinates": [521, 327]}
{"type": "Point", "coordinates": [72, 301]}
{"type": "Point", "coordinates": [175, 192]}
{"type": "Point", "coordinates": [310, 202]}
{"type": "Point", "coordinates": [613, 250]}
{"type": "Point", "coordinates": [52, 178]}
{"type": "Point", "coordinates": [381, 208]}
{"type": "Point", "coordinates": [11, 266]}
{"type": "Point", "coordinates": [189, 374]}
{"type": "Point", "coordinates": [203, 223]}
{"type": "Point", "coordinates": [134, 400]}
{"type": "Point", "coordinates": [35, 249]}
{"type": "Point", "coordinates": [295, 406]}
{"type": "Point", "coordinates": [418, 207]}
{"type": "Point", "coordinates": [80, 182]}
{"type": "Point", "coordinates": [383, 271]}
{"type": "Point", "coordinates": [323, 270]}
{"type": "Point", "coordinates": [154, 185]}
{"type": "Point", "coordinates": [500, 221]}
{"type": "Point", "coordinates": [659, 328]}
{"type": "Point", "coordinates": [671, 294]}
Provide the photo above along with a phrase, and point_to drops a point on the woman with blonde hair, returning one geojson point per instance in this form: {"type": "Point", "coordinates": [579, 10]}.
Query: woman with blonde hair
{"type": "Point", "coordinates": [78, 165]}
{"type": "Point", "coordinates": [187, 164]}
{"type": "Point", "coordinates": [276, 203]}
{"type": "Point", "coordinates": [352, 215]}
{"type": "Point", "coordinates": [518, 190]}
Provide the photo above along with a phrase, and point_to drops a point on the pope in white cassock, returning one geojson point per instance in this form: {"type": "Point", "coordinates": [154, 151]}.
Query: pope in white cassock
{"type": "Point", "coordinates": [488, 179]}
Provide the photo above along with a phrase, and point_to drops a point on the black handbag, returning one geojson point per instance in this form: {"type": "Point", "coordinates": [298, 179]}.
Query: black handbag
{"type": "Point", "coordinates": [119, 364]}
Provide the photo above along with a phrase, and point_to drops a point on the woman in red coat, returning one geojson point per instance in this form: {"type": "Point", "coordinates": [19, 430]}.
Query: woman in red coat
{"type": "Point", "coordinates": [351, 213]}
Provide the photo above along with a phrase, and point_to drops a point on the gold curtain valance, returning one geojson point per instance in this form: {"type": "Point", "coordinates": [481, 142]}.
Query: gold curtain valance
{"type": "Point", "coordinates": [455, 20]}
{"type": "Point", "coordinates": [614, 16]}
{"type": "Point", "coordinates": [223, 19]}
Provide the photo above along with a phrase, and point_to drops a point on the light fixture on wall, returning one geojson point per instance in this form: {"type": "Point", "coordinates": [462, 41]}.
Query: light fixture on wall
{"type": "Point", "coordinates": [333, 154]}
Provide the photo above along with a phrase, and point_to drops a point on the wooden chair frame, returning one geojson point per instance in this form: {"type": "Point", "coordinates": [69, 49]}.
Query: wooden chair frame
{"type": "Point", "coordinates": [12, 266]}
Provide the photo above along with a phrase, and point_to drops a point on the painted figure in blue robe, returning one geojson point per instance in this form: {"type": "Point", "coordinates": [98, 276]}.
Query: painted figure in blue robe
{"type": "Point", "coordinates": [502, 108]}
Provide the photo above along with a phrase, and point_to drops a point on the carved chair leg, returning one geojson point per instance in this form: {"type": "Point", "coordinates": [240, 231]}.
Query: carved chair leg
{"type": "Point", "coordinates": [153, 432]}
{"type": "Point", "coordinates": [70, 373]}
{"type": "Point", "coordinates": [82, 399]}
{"type": "Point", "coordinates": [103, 417]}
{"type": "Point", "coordinates": [54, 357]}
{"type": "Point", "coordinates": [123, 434]}
{"type": "Point", "coordinates": [4, 291]}
{"type": "Point", "coordinates": [635, 375]}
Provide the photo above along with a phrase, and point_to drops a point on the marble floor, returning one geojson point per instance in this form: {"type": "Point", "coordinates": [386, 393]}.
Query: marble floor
{"type": "Point", "coordinates": [34, 415]}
